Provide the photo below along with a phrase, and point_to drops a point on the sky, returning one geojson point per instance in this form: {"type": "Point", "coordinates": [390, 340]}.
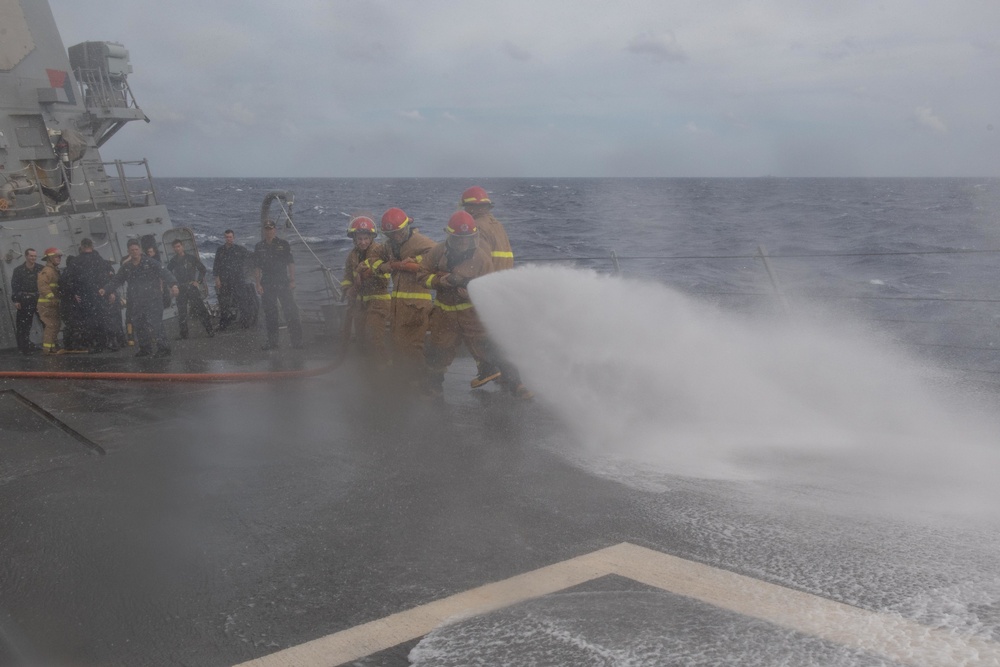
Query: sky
{"type": "Point", "coordinates": [547, 88]}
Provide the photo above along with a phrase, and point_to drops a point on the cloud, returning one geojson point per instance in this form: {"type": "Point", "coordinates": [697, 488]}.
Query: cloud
{"type": "Point", "coordinates": [660, 48]}
{"type": "Point", "coordinates": [925, 117]}
{"type": "Point", "coordinates": [412, 114]}
{"type": "Point", "coordinates": [734, 119]}
{"type": "Point", "coordinates": [693, 129]}
{"type": "Point", "coordinates": [515, 51]}
{"type": "Point", "coordinates": [557, 88]}
{"type": "Point", "coordinates": [239, 114]}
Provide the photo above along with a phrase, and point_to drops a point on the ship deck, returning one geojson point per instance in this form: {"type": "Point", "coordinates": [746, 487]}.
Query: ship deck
{"type": "Point", "coordinates": [321, 520]}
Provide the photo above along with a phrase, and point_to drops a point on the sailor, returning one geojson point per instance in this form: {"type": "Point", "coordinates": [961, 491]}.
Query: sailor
{"type": "Point", "coordinates": [448, 268]}
{"type": "Point", "coordinates": [69, 310]}
{"type": "Point", "coordinates": [274, 271]}
{"type": "Point", "coordinates": [493, 239]}
{"type": "Point", "coordinates": [148, 244]}
{"type": "Point", "coordinates": [146, 279]}
{"type": "Point", "coordinates": [24, 293]}
{"type": "Point", "coordinates": [82, 279]}
{"type": "Point", "coordinates": [48, 300]}
{"type": "Point", "coordinates": [190, 274]}
{"type": "Point", "coordinates": [231, 286]}
{"type": "Point", "coordinates": [411, 300]}
{"type": "Point", "coordinates": [367, 292]}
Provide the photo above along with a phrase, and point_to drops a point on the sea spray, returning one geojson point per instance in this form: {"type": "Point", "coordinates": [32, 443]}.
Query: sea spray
{"type": "Point", "coordinates": [643, 373]}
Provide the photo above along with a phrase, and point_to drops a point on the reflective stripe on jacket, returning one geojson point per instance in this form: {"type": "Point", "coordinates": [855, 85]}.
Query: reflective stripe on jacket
{"type": "Point", "coordinates": [493, 239]}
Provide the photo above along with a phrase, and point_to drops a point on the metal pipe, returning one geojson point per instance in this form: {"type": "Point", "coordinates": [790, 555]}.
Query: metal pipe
{"type": "Point", "coordinates": [774, 280]}
{"type": "Point", "coordinates": [152, 187]}
{"type": "Point", "coordinates": [121, 177]}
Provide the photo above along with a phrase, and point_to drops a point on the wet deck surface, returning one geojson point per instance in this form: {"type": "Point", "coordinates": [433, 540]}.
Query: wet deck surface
{"type": "Point", "coordinates": [227, 522]}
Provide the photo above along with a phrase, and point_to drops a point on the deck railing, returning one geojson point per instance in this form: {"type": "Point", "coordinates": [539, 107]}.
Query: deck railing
{"type": "Point", "coordinates": [86, 185]}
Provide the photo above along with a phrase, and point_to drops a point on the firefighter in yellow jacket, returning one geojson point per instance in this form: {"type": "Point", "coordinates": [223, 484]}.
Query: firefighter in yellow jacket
{"type": "Point", "coordinates": [48, 300]}
{"type": "Point", "coordinates": [493, 239]}
{"type": "Point", "coordinates": [448, 268]}
{"type": "Point", "coordinates": [492, 236]}
{"type": "Point", "coordinates": [411, 300]}
{"type": "Point", "coordinates": [367, 291]}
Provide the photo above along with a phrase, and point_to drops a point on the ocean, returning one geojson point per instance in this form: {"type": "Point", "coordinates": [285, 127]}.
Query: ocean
{"type": "Point", "coordinates": [913, 259]}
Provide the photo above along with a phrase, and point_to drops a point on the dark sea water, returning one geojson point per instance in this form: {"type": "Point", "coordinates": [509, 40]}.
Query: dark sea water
{"type": "Point", "coordinates": [915, 258]}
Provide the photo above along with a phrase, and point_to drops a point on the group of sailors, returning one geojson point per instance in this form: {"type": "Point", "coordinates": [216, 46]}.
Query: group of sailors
{"type": "Point", "coordinates": [66, 299]}
{"type": "Point", "coordinates": [80, 306]}
{"type": "Point", "coordinates": [409, 301]}
{"type": "Point", "coordinates": [409, 305]}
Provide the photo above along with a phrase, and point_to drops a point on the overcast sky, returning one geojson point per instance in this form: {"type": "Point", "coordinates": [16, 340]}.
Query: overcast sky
{"type": "Point", "coordinates": [556, 88]}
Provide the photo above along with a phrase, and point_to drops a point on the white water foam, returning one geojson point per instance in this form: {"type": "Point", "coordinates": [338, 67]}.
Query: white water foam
{"type": "Point", "coordinates": [646, 375]}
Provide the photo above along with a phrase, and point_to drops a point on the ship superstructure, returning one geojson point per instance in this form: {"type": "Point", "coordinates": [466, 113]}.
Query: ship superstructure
{"type": "Point", "coordinates": [57, 109]}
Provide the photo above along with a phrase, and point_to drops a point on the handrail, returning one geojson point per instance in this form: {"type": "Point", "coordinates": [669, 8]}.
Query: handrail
{"type": "Point", "coordinates": [113, 186]}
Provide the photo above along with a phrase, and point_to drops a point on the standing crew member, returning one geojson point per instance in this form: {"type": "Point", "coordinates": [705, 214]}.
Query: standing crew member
{"type": "Point", "coordinates": [493, 239]}
{"type": "Point", "coordinates": [24, 293]}
{"type": "Point", "coordinates": [411, 300]}
{"type": "Point", "coordinates": [87, 274]}
{"type": "Point", "coordinates": [147, 279]}
{"type": "Point", "coordinates": [231, 286]}
{"type": "Point", "coordinates": [367, 291]}
{"type": "Point", "coordinates": [48, 300]}
{"type": "Point", "coordinates": [274, 270]}
{"type": "Point", "coordinates": [448, 268]}
{"type": "Point", "coordinates": [190, 275]}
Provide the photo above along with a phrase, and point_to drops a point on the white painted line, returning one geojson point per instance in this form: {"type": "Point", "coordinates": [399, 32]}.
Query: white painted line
{"type": "Point", "coordinates": [890, 636]}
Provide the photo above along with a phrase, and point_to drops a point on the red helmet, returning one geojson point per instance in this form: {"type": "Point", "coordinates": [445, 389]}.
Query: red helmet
{"type": "Point", "coordinates": [361, 223]}
{"type": "Point", "coordinates": [51, 252]}
{"type": "Point", "coordinates": [394, 219]}
{"type": "Point", "coordinates": [461, 224]}
{"type": "Point", "coordinates": [475, 195]}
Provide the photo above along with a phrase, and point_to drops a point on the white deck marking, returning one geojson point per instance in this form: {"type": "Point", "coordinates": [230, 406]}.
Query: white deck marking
{"type": "Point", "coordinates": [893, 637]}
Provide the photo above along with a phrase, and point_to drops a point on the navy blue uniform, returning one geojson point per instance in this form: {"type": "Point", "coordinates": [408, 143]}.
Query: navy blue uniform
{"type": "Point", "coordinates": [272, 260]}
{"type": "Point", "coordinates": [236, 297]}
{"type": "Point", "coordinates": [24, 291]}
{"type": "Point", "coordinates": [146, 281]}
{"type": "Point", "coordinates": [189, 271]}
{"type": "Point", "coordinates": [88, 311]}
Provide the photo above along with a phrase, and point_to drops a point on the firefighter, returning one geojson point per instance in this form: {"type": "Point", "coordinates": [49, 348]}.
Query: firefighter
{"type": "Point", "coordinates": [492, 236]}
{"type": "Point", "coordinates": [448, 268]}
{"type": "Point", "coordinates": [411, 301]}
{"type": "Point", "coordinates": [367, 292]}
{"type": "Point", "coordinates": [48, 300]}
{"type": "Point", "coordinates": [493, 239]}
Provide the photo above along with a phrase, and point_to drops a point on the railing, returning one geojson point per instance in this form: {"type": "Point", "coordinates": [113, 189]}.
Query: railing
{"type": "Point", "coordinates": [86, 185]}
{"type": "Point", "coordinates": [101, 90]}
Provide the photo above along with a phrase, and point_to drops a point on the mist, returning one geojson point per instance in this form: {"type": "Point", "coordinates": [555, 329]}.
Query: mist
{"type": "Point", "coordinates": [651, 382]}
